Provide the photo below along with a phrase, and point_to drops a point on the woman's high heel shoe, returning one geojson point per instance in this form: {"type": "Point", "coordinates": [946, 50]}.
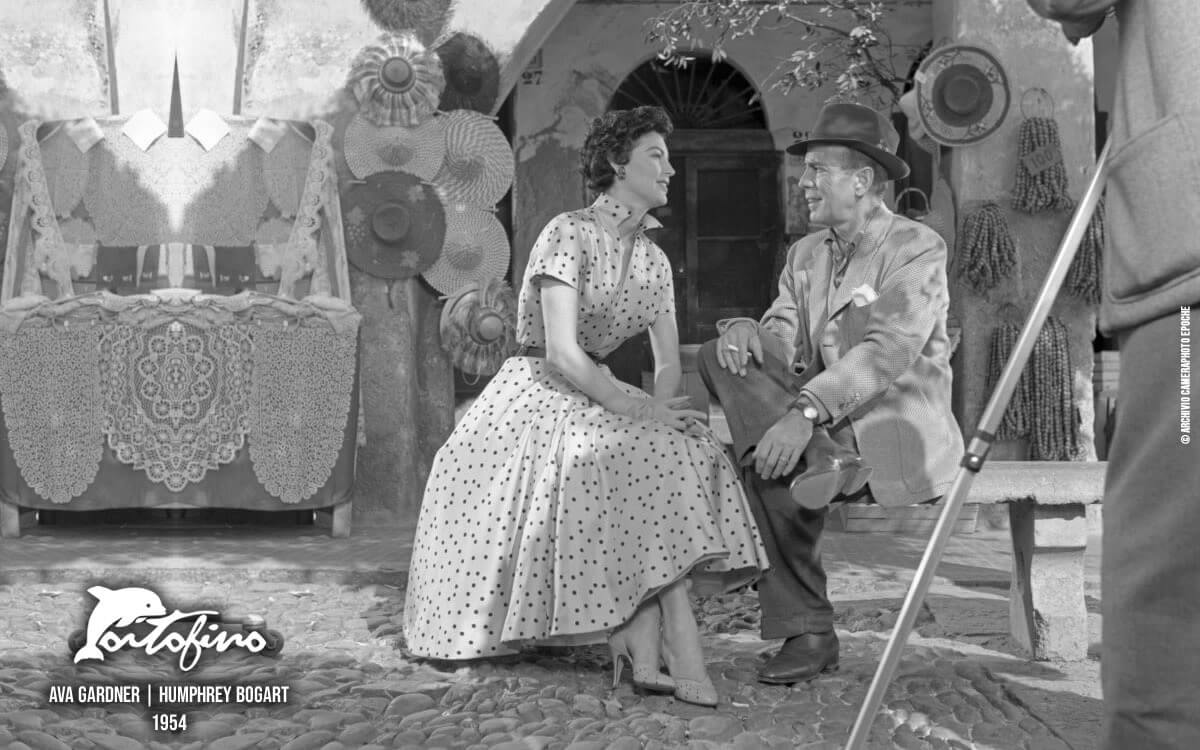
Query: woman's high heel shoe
{"type": "Point", "coordinates": [698, 692]}
{"type": "Point", "coordinates": [644, 677]}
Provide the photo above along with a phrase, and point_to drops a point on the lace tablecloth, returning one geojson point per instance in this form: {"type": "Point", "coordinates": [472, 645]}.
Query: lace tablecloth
{"type": "Point", "coordinates": [176, 384]}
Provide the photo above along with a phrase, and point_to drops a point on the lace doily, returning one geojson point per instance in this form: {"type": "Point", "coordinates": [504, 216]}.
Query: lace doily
{"type": "Point", "coordinates": [176, 397]}
{"type": "Point", "coordinates": [52, 407]}
{"type": "Point", "coordinates": [302, 251]}
{"type": "Point", "coordinates": [303, 377]}
{"type": "Point", "coordinates": [50, 255]}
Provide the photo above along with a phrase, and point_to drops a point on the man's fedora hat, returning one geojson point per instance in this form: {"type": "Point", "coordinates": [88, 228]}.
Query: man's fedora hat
{"type": "Point", "coordinates": [860, 128]}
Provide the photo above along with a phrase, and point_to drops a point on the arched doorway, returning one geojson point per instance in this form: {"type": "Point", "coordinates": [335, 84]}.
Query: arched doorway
{"type": "Point", "coordinates": [723, 225]}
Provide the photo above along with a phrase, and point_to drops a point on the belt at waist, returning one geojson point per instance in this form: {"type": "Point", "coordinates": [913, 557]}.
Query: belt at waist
{"type": "Point", "coordinates": [540, 352]}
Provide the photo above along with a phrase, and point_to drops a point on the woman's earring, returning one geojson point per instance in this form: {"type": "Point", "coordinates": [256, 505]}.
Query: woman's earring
{"type": "Point", "coordinates": [621, 172]}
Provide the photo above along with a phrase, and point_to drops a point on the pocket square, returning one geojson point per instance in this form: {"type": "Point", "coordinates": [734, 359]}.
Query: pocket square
{"type": "Point", "coordinates": [863, 295]}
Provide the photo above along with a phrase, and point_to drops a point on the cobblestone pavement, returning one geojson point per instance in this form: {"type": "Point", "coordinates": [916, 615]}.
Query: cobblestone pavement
{"type": "Point", "coordinates": [352, 687]}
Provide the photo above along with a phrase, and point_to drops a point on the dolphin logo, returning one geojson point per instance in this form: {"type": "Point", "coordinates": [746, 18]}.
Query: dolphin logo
{"type": "Point", "coordinates": [119, 608]}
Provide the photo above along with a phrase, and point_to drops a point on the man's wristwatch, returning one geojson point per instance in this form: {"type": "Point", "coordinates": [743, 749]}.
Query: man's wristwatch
{"type": "Point", "coordinates": [806, 409]}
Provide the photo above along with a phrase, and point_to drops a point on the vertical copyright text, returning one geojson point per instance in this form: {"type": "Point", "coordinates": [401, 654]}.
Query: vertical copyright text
{"type": "Point", "coordinates": [1185, 375]}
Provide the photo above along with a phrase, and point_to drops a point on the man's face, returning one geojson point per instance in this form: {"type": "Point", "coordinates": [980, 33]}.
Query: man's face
{"type": "Point", "coordinates": [830, 188]}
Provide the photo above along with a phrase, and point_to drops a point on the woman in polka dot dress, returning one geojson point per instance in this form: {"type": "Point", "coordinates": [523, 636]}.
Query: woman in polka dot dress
{"type": "Point", "coordinates": [568, 507]}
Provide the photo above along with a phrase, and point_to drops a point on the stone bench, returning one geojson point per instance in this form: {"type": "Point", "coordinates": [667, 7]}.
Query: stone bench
{"type": "Point", "coordinates": [1047, 511]}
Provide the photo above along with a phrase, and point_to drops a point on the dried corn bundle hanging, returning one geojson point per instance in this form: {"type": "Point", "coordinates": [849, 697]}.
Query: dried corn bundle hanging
{"type": "Point", "coordinates": [1083, 277]}
{"type": "Point", "coordinates": [1042, 407]}
{"type": "Point", "coordinates": [986, 251]}
{"type": "Point", "coordinates": [1041, 173]}
{"type": "Point", "coordinates": [1054, 428]}
{"type": "Point", "coordinates": [1016, 421]}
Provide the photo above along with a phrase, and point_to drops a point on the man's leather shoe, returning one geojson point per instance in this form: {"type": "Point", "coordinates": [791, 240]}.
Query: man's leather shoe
{"type": "Point", "coordinates": [831, 470]}
{"type": "Point", "coordinates": [801, 658]}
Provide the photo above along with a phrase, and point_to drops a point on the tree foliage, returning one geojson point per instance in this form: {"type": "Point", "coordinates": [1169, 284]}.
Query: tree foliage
{"type": "Point", "coordinates": [843, 42]}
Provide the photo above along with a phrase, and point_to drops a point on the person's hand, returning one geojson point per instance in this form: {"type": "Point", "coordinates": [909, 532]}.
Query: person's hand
{"type": "Point", "coordinates": [782, 445]}
{"type": "Point", "coordinates": [672, 412]}
{"type": "Point", "coordinates": [735, 347]}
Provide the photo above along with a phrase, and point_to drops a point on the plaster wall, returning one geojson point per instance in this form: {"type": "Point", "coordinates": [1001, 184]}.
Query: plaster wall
{"type": "Point", "coordinates": [52, 59]}
{"type": "Point", "coordinates": [585, 59]}
{"type": "Point", "coordinates": [1033, 54]}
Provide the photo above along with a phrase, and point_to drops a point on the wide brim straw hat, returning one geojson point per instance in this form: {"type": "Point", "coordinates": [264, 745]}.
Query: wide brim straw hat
{"type": "Point", "coordinates": [476, 248]}
{"type": "Point", "coordinates": [394, 224]}
{"type": "Point", "coordinates": [478, 164]}
{"type": "Point", "coordinates": [425, 18]}
{"type": "Point", "coordinates": [396, 81]}
{"type": "Point", "coordinates": [369, 148]}
{"type": "Point", "coordinates": [472, 74]}
{"type": "Point", "coordinates": [962, 94]}
{"type": "Point", "coordinates": [478, 326]}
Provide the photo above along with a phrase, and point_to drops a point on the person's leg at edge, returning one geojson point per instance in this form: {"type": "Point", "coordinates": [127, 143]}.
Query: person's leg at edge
{"type": "Point", "coordinates": [792, 593]}
{"type": "Point", "coordinates": [1150, 664]}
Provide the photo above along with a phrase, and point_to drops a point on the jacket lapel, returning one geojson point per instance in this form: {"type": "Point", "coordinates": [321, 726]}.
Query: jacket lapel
{"type": "Point", "coordinates": [860, 263]}
{"type": "Point", "coordinates": [817, 296]}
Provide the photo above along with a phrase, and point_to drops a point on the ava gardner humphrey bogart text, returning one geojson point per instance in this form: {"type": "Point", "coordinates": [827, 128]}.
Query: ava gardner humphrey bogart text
{"type": "Point", "coordinates": [1185, 375]}
{"type": "Point", "coordinates": [166, 701]}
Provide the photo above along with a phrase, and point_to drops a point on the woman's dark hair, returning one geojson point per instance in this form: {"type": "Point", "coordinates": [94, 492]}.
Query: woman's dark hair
{"type": "Point", "coordinates": [611, 138]}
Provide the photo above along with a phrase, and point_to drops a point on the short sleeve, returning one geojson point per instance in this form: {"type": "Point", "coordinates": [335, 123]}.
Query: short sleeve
{"type": "Point", "coordinates": [666, 287]}
{"type": "Point", "coordinates": [559, 253]}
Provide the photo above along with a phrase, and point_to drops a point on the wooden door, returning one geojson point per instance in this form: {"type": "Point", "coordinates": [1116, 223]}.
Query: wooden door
{"type": "Point", "coordinates": [722, 231]}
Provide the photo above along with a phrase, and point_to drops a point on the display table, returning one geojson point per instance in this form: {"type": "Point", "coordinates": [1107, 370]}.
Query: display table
{"type": "Point", "coordinates": [143, 386]}
{"type": "Point", "coordinates": [177, 399]}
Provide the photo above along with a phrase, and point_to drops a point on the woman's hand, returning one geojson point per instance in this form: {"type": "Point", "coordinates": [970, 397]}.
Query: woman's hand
{"type": "Point", "coordinates": [672, 412]}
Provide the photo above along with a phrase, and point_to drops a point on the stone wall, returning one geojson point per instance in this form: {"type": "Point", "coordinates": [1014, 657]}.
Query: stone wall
{"type": "Point", "coordinates": [1033, 54]}
{"type": "Point", "coordinates": [574, 75]}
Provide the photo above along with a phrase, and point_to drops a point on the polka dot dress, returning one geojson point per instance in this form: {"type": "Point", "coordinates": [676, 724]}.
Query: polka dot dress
{"type": "Point", "coordinates": [547, 519]}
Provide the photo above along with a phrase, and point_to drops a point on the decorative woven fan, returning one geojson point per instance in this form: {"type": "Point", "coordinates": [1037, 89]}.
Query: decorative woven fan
{"type": "Point", "coordinates": [396, 81]}
{"type": "Point", "coordinates": [475, 249]}
{"type": "Point", "coordinates": [426, 17]}
{"type": "Point", "coordinates": [472, 74]}
{"type": "Point", "coordinates": [419, 151]}
{"type": "Point", "coordinates": [478, 168]}
{"type": "Point", "coordinates": [478, 326]}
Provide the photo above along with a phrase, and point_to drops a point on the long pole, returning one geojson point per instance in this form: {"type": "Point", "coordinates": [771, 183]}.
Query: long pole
{"type": "Point", "coordinates": [976, 454]}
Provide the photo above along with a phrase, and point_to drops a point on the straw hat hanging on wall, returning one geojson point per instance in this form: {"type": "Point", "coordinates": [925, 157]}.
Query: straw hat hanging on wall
{"type": "Point", "coordinates": [472, 74]}
{"type": "Point", "coordinates": [478, 166]}
{"type": "Point", "coordinates": [418, 151]}
{"type": "Point", "coordinates": [396, 81]}
{"type": "Point", "coordinates": [394, 225]}
{"type": "Point", "coordinates": [478, 326]}
{"type": "Point", "coordinates": [426, 18]}
{"type": "Point", "coordinates": [962, 94]}
{"type": "Point", "coordinates": [476, 249]}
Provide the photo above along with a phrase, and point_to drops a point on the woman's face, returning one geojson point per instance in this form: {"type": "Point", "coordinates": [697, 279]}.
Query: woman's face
{"type": "Point", "coordinates": [647, 175]}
